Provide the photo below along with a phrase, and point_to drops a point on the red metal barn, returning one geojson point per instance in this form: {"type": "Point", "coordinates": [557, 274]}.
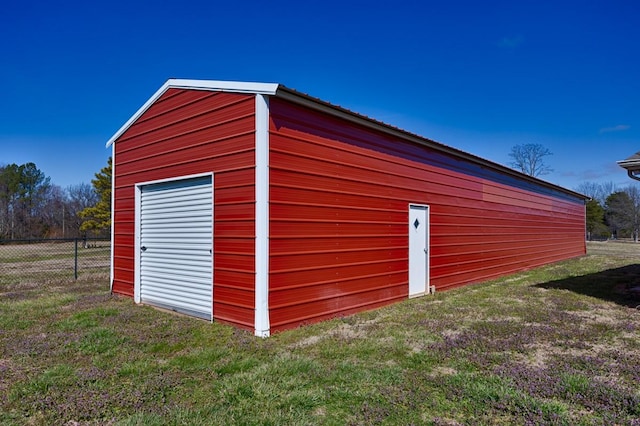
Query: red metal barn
{"type": "Point", "coordinates": [262, 207]}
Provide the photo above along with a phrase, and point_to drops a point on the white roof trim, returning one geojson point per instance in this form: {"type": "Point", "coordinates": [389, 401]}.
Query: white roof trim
{"type": "Point", "coordinates": [213, 85]}
{"type": "Point", "coordinates": [225, 86]}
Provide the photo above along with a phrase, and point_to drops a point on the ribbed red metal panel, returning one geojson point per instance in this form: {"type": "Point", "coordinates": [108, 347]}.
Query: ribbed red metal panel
{"type": "Point", "coordinates": [188, 132]}
{"type": "Point", "coordinates": [339, 201]}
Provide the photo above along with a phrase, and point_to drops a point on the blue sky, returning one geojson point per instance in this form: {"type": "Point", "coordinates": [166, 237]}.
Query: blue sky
{"type": "Point", "coordinates": [479, 76]}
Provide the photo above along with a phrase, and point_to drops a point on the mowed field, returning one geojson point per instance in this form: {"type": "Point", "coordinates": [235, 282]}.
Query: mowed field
{"type": "Point", "coordinates": [554, 345]}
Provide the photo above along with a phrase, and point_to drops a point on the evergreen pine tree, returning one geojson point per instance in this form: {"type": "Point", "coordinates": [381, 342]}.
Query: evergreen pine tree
{"type": "Point", "coordinates": [98, 217]}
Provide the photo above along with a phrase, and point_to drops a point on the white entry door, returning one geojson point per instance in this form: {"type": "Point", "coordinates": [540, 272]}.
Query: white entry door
{"type": "Point", "coordinates": [418, 250]}
{"type": "Point", "coordinates": [176, 246]}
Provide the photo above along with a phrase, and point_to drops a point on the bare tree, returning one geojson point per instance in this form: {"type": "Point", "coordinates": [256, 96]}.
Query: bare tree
{"type": "Point", "coordinates": [52, 214]}
{"type": "Point", "coordinates": [81, 196]}
{"type": "Point", "coordinates": [529, 159]}
{"type": "Point", "coordinates": [597, 191]}
{"type": "Point", "coordinates": [590, 189]}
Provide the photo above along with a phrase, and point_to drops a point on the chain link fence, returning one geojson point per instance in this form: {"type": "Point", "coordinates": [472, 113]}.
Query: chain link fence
{"type": "Point", "coordinates": [60, 257]}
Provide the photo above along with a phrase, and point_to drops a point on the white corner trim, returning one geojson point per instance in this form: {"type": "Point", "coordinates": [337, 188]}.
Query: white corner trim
{"type": "Point", "coordinates": [113, 212]}
{"type": "Point", "coordinates": [136, 244]}
{"type": "Point", "coordinates": [213, 85]}
{"type": "Point", "coordinates": [261, 321]}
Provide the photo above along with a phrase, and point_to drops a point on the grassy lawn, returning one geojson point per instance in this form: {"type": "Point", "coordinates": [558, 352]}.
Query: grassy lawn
{"type": "Point", "coordinates": [554, 345]}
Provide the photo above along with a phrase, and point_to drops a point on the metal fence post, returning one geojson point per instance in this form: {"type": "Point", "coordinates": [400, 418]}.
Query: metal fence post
{"type": "Point", "coordinates": [75, 267]}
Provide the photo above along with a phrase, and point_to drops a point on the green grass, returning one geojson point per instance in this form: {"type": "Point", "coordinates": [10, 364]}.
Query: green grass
{"type": "Point", "coordinates": [554, 345]}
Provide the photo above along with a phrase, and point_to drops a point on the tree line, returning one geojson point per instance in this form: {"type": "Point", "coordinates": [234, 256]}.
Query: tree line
{"type": "Point", "coordinates": [612, 212]}
{"type": "Point", "coordinates": [32, 207]}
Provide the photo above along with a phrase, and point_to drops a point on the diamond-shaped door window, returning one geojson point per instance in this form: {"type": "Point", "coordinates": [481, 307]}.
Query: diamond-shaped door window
{"type": "Point", "coordinates": [416, 223]}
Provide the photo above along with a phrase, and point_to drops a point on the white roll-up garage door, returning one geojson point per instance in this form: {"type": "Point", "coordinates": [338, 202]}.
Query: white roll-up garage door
{"type": "Point", "coordinates": [176, 246]}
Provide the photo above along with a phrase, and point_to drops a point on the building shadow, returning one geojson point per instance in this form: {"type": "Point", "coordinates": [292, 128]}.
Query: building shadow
{"type": "Point", "coordinates": [618, 285]}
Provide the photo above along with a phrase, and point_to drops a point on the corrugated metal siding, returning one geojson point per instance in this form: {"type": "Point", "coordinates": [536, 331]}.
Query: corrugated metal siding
{"type": "Point", "coordinates": [339, 206]}
{"type": "Point", "coordinates": [189, 132]}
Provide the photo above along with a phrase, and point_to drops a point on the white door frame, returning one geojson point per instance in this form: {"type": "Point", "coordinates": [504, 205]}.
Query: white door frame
{"type": "Point", "coordinates": [137, 227]}
{"type": "Point", "coordinates": [418, 257]}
